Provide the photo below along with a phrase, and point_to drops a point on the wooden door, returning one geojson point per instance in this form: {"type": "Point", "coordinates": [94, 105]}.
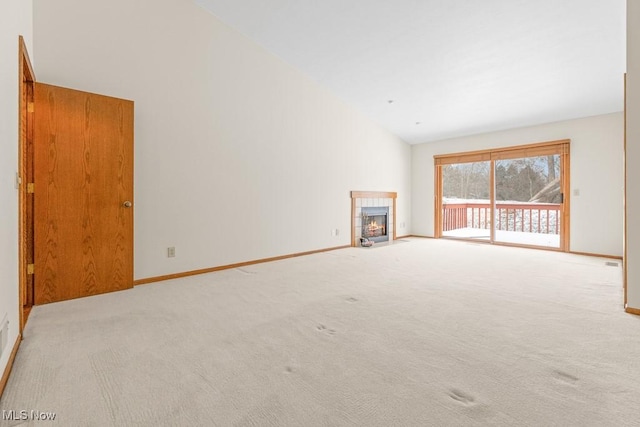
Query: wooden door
{"type": "Point", "coordinates": [83, 194]}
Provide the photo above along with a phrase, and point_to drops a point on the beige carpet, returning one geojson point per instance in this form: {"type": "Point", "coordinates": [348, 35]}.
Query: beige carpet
{"type": "Point", "coordinates": [425, 333]}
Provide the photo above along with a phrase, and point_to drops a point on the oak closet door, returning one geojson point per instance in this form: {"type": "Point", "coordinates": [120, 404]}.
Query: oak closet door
{"type": "Point", "coordinates": [83, 194]}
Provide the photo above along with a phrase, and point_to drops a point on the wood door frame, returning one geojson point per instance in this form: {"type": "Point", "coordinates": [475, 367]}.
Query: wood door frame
{"type": "Point", "coordinates": [26, 79]}
{"type": "Point", "coordinates": [437, 201]}
{"type": "Point", "coordinates": [561, 147]}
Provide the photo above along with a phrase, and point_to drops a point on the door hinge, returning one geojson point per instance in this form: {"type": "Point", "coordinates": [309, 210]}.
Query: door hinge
{"type": "Point", "coordinates": [30, 268]}
{"type": "Point", "coordinates": [561, 197]}
{"type": "Point", "coordinates": [30, 187]}
{"type": "Point", "coordinates": [30, 107]}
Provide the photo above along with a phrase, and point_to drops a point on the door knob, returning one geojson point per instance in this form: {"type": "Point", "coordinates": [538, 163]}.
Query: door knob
{"type": "Point", "coordinates": [127, 204]}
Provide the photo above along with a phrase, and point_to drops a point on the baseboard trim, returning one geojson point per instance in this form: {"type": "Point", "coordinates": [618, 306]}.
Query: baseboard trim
{"type": "Point", "coordinates": [404, 237]}
{"type": "Point", "coordinates": [632, 310]}
{"type": "Point", "coordinates": [7, 370]}
{"type": "Point", "coordinates": [230, 266]}
{"type": "Point", "coordinates": [597, 255]}
{"type": "Point", "coordinates": [419, 236]}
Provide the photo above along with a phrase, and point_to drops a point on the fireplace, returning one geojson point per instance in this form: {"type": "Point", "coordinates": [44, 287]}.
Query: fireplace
{"type": "Point", "coordinates": [375, 223]}
{"type": "Point", "coordinates": [368, 206]}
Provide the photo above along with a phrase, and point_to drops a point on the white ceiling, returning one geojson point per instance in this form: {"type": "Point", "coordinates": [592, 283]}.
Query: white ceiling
{"type": "Point", "coordinates": [456, 67]}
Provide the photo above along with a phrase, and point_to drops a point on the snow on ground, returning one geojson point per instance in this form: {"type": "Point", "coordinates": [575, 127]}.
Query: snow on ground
{"type": "Point", "coordinates": [519, 237]}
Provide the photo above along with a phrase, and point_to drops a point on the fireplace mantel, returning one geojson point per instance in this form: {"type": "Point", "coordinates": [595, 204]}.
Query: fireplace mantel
{"type": "Point", "coordinates": [361, 199]}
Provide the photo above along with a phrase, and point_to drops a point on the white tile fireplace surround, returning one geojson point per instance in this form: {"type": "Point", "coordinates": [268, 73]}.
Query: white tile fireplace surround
{"type": "Point", "coordinates": [371, 199]}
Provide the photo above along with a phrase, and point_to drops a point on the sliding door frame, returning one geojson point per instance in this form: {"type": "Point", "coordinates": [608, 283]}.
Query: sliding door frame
{"type": "Point", "coordinates": [559, 147]}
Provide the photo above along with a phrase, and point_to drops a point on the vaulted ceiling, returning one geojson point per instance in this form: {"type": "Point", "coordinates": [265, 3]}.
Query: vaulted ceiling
{"type": "Point", "coordinates": [434, 69]}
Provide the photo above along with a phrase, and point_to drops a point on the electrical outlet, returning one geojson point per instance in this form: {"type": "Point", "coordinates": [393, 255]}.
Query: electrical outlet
{"type": "Point", "coordinates": [171, 252]}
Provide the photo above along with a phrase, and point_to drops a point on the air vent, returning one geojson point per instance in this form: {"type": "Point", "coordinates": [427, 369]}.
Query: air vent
{"type": "Point", "coordinates": [611, 264]}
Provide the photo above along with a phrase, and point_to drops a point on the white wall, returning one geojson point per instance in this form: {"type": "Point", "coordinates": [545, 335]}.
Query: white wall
{"type": "Point", "coordinates": [238, 155]}
{"type": "Point", "coordinates": [15, 20]}
{"type": "Point", "coordinates": [596, 171]}
{"type": "Point", "coordinates": [633, 154]}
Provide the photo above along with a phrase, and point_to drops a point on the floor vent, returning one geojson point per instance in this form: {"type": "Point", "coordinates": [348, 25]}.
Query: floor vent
{"type": "Point", "coordinates": [611, 264]}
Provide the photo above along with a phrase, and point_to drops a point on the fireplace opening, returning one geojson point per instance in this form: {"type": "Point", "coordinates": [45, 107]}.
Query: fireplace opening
{"type": "Point", "coordinates": [375, 223]}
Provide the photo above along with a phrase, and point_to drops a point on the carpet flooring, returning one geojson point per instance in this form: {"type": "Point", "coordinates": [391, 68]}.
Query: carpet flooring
{"type": "Point", "coordinates": [424, 333]}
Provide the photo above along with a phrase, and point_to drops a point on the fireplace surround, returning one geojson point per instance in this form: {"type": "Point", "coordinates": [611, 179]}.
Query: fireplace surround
{"type": "Point", "coordinates": [368, 206]}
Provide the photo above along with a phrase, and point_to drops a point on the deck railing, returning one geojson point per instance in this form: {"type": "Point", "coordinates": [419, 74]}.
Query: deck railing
{"type": "Point", "coordinates": [525, 217]}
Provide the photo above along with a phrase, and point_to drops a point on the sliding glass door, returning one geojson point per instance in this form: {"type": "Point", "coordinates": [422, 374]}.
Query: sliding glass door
{"type": "Point", "coordinates": [466, 193]}
{"type": "Point", "coordinates": [514, 195]}
{"type": "Point", "coordinates": [528, 201]}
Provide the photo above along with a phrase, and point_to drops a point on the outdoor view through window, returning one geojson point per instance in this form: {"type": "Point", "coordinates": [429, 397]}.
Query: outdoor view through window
{"type": "Point", "coordinates": [527, 201]}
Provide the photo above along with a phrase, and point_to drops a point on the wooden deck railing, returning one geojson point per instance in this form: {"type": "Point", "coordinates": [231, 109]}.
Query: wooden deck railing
{"type": "Point", "coordinates": [525, 217]}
